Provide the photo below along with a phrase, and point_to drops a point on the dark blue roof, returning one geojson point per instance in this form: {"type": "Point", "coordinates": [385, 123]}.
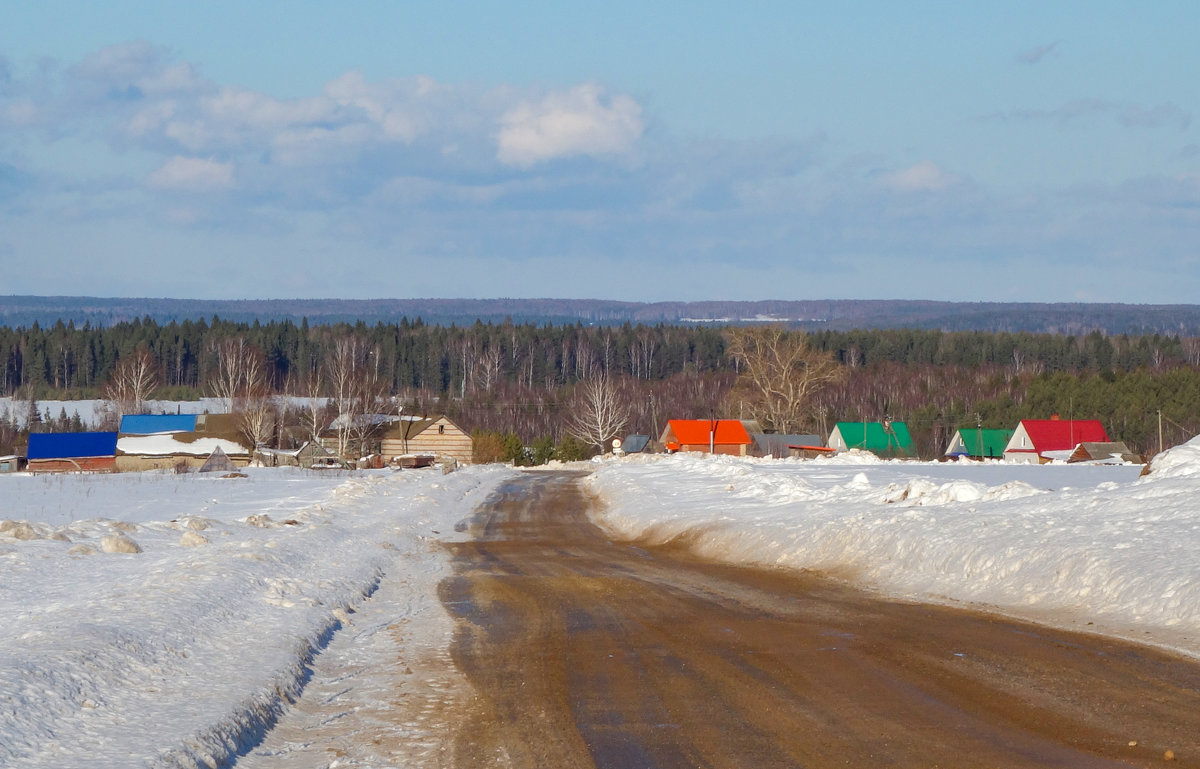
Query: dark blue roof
{"type": "Point", "coordinates": [151, 424]}
{"type": "Point", "coordinates": [72, 445]}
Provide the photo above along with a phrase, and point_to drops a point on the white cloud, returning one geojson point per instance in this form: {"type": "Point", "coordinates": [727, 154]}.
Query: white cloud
{"type": "Point", "coordinates": [925, 176]}
{"type": "Point", "coordinates": [195, 174]}
{"type": "Point", "coordinates": [576, 122]}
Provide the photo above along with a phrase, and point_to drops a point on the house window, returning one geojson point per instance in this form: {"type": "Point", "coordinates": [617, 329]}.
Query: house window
{"type": "Point", "coordinates": [441, 429]}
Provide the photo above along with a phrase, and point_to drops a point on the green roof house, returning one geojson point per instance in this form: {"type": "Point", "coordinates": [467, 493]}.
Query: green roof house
{"type": "Point", "coordinates": [887, 439]}
{"type": "Point", "coordinates": [979, 444]}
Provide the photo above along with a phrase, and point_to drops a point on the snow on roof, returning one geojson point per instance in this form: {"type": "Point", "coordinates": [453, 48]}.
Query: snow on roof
{"type": "Point", "coordinates": [167, 445]}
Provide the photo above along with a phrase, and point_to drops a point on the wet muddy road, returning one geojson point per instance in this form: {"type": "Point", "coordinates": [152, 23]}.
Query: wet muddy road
{"type": "Point", "coordinates": [584, 653]}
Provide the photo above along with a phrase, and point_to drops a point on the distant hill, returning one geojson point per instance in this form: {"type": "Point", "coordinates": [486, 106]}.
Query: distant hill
{"type": "Point", "coordinates": [836, 314]}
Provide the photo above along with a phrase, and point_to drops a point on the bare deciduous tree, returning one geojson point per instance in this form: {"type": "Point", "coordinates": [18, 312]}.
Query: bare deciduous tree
{"type": "Point", "coordinates": [357, 390]}
{"type": "Point", "coordinates": [133, 379]}
{"type": "Point", "coordinates": [596, 412]}
{"type": "Point", "coordinates": [234, 361]}
{"type": "Point", "coordinates": [778, 373]}
{"type": "Point", "coordinates": [242, 380]}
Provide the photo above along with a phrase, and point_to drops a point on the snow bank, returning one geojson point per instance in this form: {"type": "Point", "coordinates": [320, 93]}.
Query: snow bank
{"type": "Point", "coordinates": [184, 653]}
{"type": "Point", "coordinates": [1066, 544]}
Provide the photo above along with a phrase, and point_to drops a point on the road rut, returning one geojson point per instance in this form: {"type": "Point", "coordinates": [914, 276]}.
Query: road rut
{"type": "Point", "coordinates": [589, 653]}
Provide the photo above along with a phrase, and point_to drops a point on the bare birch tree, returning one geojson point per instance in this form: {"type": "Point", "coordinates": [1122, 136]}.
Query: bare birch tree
{"type": "Point", "coordinates": [242, 381]}
{"type": "Point", "coordinates": [233, 359]}
{"type": "Point", "coordinates": [356, 390]}
{"type": "Point", "coordinates": [133, 379]}
{"type": "Point", "coordinates": [596, 412]}
{"type": "Point", "coordinates": [778, 373]}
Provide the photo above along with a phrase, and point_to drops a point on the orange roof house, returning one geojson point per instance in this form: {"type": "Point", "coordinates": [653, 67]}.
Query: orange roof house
{"type": "Point", "coordinates": [720, 436]}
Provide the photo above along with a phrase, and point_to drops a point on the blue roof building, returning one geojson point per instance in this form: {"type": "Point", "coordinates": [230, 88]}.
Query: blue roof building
{"type": "Point", "coordinates": [156, 424]}
{"type": "Point", "coordinates": [71, 445]}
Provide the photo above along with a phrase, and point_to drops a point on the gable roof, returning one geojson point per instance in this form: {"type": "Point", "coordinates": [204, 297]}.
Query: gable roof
{"type": "Point", "coordinates": [993, 442]}
{"type": "Point", "coordinates": [635, 443]}
{"type": "Point", "coordinates": [407, 427]}
{"type": "Point", "coordinates": [1062, 434]}
{"type": "Point", "coordinates": [153, 424]}
{"type": "Point", "coordinates": [71, 445]}
{"type": "Point", "coordinates": [780, 445]}
{"type": "Point", "coordinates": [1113, 452]}
{"type": "Point", "coordinates": [873, 436]}
{"type": "Point", "coordinates": [695, 432]}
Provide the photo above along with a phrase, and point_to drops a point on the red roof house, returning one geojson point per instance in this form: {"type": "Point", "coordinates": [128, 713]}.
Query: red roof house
{"type": "Point", "coordinates": [720, 436]}
{"type": "Point", "coordinates": [1038, 440]}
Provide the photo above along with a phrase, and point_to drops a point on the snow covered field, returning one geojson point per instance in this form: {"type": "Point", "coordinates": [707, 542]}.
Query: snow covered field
{"type": "Point", "coordinates": [185, 653]}
{"type": "Point", "coordinates": [1094, 548]}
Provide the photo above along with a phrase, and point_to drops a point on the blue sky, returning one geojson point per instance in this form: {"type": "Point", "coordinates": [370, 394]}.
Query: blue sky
{"type": "Point", "coordinates": [1017, 151]}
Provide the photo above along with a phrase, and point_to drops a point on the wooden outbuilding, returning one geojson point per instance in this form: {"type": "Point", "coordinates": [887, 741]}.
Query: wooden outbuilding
{"type": "Point", "coordinates": [1111, 453]}
{"type": "Point", "coordinates": [780, 445]}
{"type": "Point", "coordinates": [436, 435]}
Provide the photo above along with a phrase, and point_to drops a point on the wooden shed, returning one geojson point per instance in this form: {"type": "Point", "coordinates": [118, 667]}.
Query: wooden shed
{"type": "Point", "coordinates": [435, 435]}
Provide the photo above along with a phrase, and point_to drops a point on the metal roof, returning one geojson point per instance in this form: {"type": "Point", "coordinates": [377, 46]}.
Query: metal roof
{"type": "Point", "coordinates": [153, 424]}
{"type": "Point", "coordinates": [71, 445]}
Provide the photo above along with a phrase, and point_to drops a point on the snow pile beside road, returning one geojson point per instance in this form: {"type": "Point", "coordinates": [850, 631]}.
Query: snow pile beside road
{"type": "Point", "coordinates": [1058, 543]}
{"type": "Point", "coordinates": [184, 653]}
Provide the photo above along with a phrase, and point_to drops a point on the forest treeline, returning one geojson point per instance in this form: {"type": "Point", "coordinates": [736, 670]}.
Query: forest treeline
{"type": "Point", "coordinates": [518, 379]}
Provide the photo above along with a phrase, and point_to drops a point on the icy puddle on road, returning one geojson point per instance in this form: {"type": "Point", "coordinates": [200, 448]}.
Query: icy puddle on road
{"type": "Point", "coordinates": [587, 653]}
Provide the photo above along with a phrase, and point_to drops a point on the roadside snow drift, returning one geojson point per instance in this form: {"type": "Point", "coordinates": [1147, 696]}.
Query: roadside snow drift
{"type": "Point", "coordinates": [1075, 545]}
{"type": "Point", "coordinates": [166, 620]}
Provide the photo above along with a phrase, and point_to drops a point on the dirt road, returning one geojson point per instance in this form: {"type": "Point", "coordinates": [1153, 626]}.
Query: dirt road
{"type": "Point", "coordinates": [585, 652]}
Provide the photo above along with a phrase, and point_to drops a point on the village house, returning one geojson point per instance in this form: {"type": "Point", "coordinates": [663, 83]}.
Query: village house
{"type": "Point", "coordinates": [1112, 453]}
{"type": "Point", "coordinates": [978, 443]}
{"type": "Point", "coordinates": [718, 436]}
{"type": "Point", "coordinates": [362, 432]}
{"type": "Point", "coordinates": [72, 452]}
{"type": "Point", "coordinates": [171, 441]}
{"type": "Point", "coordinates": [780, 446]}
{"type": "Point", "coordinates": [429, 436]}
{"type": "Point", "coordinates": [886, 439]}
{"type": "Point", "coordinates": [1045, 440]}
{"type": "Point", "coordinates": [311, 455]}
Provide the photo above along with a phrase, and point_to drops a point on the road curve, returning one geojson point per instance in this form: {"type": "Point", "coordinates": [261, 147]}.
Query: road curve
{"type": "Point", "coordinates": [589, 653]}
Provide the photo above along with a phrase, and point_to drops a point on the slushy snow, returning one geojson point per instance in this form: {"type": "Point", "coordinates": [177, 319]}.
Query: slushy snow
{"type": "Point", "coordinates": [154, 619]}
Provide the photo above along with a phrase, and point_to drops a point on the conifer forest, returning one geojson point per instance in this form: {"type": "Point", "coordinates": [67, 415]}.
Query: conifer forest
{"type": "Point", "coordinates": [520, 382]}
